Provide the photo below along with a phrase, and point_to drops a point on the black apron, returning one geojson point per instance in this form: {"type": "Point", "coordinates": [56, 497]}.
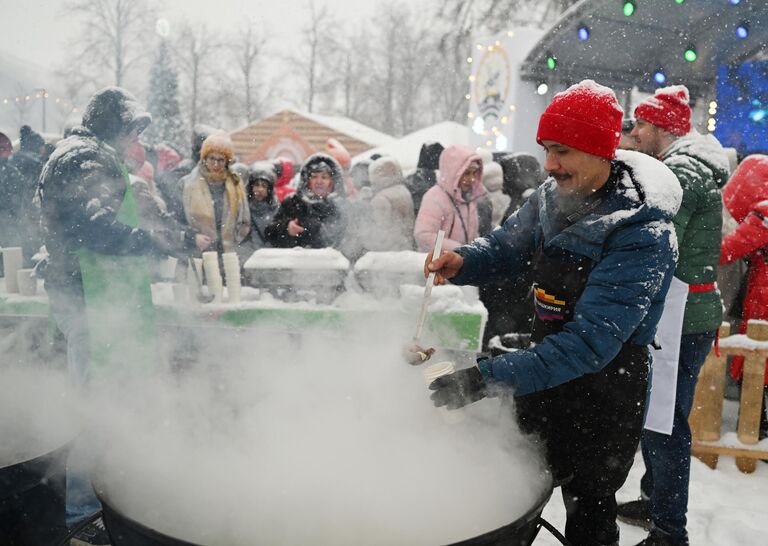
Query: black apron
{"type": "Point", "coordinates": [590, 427]}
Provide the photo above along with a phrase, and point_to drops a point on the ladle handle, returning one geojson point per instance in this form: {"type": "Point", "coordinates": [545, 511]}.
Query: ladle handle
{"type": "Point", "coordinates": [428, 288]}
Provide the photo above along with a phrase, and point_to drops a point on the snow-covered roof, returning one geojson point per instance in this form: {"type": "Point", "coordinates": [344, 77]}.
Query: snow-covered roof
{"type": "Point", "coordinates": [350, 127]}
{"type": "Point", "coordinates": [406, 149]}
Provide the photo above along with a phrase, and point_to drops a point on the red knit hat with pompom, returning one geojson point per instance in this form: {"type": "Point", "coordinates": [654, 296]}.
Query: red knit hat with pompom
{"type": "Point", "coordinates": [668, 108]}
{"type": "Point", "coordinates": [586, 116]}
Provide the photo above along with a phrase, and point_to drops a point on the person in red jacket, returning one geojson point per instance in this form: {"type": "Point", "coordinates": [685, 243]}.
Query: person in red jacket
{"type": "Point", "coordinates": [746, 197]}
{"type": "Point", "coordinates": [283, 174]}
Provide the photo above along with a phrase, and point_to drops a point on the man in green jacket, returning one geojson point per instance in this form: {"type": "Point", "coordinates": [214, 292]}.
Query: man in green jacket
{"type": "Point", "coordinates": [663, 130]}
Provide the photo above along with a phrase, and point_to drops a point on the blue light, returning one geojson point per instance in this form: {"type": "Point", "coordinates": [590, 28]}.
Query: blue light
{"type": "Point", "coordinates": [742, 31]}
{"type": "Point", "coordinates": [583, 33]}
{"type": "Point", "coordinates": [735, 2]}
{"type": "Point", "coordinates": [659, 77]}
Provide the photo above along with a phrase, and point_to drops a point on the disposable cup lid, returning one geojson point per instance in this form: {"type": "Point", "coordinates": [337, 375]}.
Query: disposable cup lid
{"type": "Point", "coordinates": [438, 370]}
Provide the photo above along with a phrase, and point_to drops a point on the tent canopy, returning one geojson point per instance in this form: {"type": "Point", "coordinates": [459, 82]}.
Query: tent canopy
{"type": "Point", "coordinates": [623, 52]}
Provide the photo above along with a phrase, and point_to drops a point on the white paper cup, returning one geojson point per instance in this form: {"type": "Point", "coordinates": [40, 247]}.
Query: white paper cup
{"type": "Point", "coordinates": [211, 269]}
{"type": "Point", "coordinates": [438, 370]}
{"type": "Point", "coordinates": [232, 273]}
{"type": "Point", "coordinates": [26, 282]}
{"type": "Point", "coordinates": [180, 293]}
{"type": "Point", "coordinates": [168, 268]}
{"type": "Point", "coordinates": [215, 284]}
{"type": "Point", "coordinates": [233, 293]}
{"type": "Point", "coordinates": [450, 417]}
{"type": "Point", "coordinates": [12, 259]}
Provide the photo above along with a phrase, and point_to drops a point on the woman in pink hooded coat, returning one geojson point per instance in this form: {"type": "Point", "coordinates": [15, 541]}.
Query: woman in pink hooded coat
{"type": "Point", "coordinates": [451, 204]}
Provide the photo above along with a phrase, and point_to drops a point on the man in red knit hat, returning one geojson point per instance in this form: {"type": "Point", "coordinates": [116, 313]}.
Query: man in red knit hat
{"type": "Point", "coordinates": [597, 240]}
{"type": "Point", "coordinates": [663, 131]}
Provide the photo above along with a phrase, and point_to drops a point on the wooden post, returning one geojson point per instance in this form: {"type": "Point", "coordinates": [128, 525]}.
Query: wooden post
{"type": "Point", "coordinates": [752, 381]}
{"type": "Point", "coordinates": [707, 411]}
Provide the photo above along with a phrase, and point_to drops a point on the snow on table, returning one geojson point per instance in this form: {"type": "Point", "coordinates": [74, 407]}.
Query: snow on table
{"type": "Point", "coordinates": [297, 259]}
{"type": "Point", "coordinates": [404, 261]}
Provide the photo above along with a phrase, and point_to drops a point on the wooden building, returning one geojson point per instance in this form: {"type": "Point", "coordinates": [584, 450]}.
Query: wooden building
{"type": "Point", "coordinates": [296, 135]}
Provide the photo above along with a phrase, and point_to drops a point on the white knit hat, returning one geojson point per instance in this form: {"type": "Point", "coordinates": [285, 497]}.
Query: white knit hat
{"type": "Point", "coordinates": [385, 172]}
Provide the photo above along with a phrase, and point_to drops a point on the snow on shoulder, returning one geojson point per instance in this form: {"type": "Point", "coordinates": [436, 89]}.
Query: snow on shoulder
{"type": "Point", "coordinates": [662, 189]}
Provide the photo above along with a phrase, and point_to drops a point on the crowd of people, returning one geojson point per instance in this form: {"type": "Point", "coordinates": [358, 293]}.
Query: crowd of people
{"type": "Point", "coordinates": [579, 262]}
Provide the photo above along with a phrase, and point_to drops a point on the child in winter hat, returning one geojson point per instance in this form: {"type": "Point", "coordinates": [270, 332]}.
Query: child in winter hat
{"type": "Point", "coordinates": [668, 108]}
{"type": "Point", "coordinates": [586, 116]}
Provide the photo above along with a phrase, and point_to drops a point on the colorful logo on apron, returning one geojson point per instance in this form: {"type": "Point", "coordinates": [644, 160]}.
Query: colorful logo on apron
{"type": "Point", "coordinates": [548, 307]}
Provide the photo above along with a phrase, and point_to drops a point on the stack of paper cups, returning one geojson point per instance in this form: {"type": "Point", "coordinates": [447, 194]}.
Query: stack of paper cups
{"type": "Point", "coordinates": [168, 268]}
{"type": "Point", "coordinates": [232, 274]}
{"type": "Point", "coordinates": [213, 275]}
{"type": "Point", "coordinates": [11, 264]}
{"type": "Point", "coordinates": [26, 281]}
{"type": "Point", "coordinates": [439, 370]}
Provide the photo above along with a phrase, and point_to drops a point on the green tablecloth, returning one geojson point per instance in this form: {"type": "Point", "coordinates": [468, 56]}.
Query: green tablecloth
{"type": "Point", "coordinates": [455, 330]}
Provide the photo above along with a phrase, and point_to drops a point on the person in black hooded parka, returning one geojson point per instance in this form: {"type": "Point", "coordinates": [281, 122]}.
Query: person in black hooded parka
{"type": "Point", "coordinates": [82, 187]}
{"type": "Point", "coordinates": [11, 187]}
{"type": "Point", "coordinates": [316, 215]}
{"type": "Point", "coordinates": [508, 300]}
{"type": "Point", "coordinates": [262, 203]}
{"type": "Point", "coordinates": [29, 162]}
{"type": "Point", "coordinates": [426, 173]}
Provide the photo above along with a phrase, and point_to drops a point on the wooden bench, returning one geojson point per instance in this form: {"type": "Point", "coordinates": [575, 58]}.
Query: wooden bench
{"type": "Point", "coordinates": [706, 414]}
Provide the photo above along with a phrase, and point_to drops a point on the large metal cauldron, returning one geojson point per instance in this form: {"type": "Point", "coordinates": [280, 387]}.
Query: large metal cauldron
{"type": "Point", "coordinates": [126, 532]}
{"type": "Point", "coordinates": [32, 498]}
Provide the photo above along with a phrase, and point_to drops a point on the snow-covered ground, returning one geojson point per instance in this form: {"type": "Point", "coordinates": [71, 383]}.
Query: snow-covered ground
{"type": "Point", "coordinates": [726, 507]}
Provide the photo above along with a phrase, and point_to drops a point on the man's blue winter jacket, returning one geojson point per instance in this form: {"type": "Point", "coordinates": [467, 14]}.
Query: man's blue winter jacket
{"type": "Point", "coordinates": [631, 241]}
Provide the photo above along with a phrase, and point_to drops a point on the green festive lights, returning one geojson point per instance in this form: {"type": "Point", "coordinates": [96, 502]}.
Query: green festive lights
{"type": "Point", "coordinates": [629, 9]}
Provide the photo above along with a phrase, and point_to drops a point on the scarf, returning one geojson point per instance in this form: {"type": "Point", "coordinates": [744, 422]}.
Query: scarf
{"type": "Point", "coordinates": [202, 215]}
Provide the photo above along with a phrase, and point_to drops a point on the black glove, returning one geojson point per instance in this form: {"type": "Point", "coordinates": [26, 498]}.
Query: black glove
{"type": "Point", "coordinates": [458, 389]}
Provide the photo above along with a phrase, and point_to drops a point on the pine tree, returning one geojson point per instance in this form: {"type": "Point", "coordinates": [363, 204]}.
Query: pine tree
{"type": "Point", "coordinates": [163, 102]}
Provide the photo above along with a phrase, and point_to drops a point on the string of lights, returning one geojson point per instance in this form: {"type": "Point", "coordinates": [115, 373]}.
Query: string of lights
{"type": "Point", "coordinates": [629, 8]}
{"type": "Point", "coordinates": [39, 95]}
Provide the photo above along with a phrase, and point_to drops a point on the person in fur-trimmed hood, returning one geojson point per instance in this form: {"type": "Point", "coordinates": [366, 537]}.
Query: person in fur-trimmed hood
{"type": "Point", "coordinates": [262, 202]}
{"type": "Point", "coordinates": [598, 239]}
{"type": "Point", "coordinates": [493, 181]}
{"type": "Point", "coordinates": [215, 203]}
{"type": "Point", "coordinates": [390, 226]}
{"type": "Point", "coordinates": [451, 204]}
{"type": "Point", "coordinates": [315, 216]}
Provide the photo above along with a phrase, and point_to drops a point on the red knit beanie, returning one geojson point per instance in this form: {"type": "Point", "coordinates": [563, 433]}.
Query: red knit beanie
{"type": "Point", "coordinates": [668, 108]}
{"type": "Point", "coordinates": [586, 116]}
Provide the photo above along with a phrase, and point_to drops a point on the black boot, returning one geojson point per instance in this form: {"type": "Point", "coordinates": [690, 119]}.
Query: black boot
{"type": "Point", "coordinates": [637, 513]}
{"type": "Point", "coordinates": [657, 537]}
